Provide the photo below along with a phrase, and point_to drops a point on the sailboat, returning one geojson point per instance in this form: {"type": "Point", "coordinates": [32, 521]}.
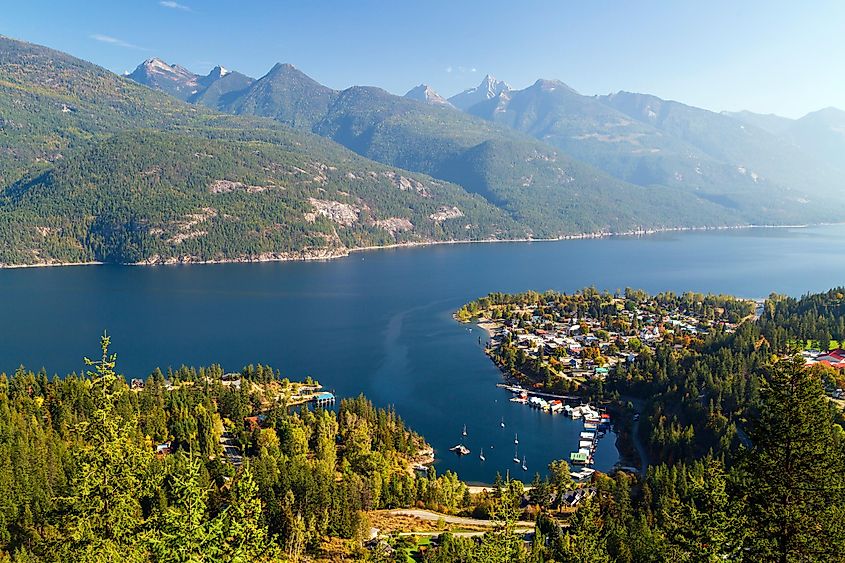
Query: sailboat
{"type": "Point", "coordinates": [502, 424]}
{"type": "Point", "coordinates": [465, 430]}
{"type": "Point", "coordinates": [515, 439]}
{"type": "Point", "coordinates": [524, 467]}
{"type": "Point", "coordinates": [515, 456]}
{"type": "Point", "coordinates": [481, 455]}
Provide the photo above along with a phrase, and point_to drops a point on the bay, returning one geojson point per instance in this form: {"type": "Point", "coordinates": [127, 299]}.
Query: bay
{"type": "Point", "coordinates": [380, 323]}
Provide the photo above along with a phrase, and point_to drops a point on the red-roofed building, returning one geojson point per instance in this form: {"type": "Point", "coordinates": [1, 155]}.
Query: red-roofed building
{"type": "Point", "coordinates": [833, 357]}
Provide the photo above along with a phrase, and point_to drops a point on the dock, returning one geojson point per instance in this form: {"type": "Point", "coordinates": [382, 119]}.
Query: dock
{"type": "Point", "coordinates": [531, 393]}
{"type": "Point", "coordinates": [323, 398]}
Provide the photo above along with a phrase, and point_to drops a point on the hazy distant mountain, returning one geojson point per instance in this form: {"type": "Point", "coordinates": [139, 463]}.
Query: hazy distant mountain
{"type": "Point", "coordinates": [770, 122]}
{"type": "Point", "coordinates": [172, 79]}
{"type": "Point", "coordinates": [652, 142]}
{"type": "Point", "coordinates": [489, 88]}
{"type": "Point", "coordinates": [768, 159]}
{"type": "Point", "coordinates": [593, 131]}
{"type": "Point", "coordinates": [822, 133]}
{"type": "Point", "coordinates": [425, 93]}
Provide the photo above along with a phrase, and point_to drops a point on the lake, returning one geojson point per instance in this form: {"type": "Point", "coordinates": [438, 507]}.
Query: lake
{"type": "Point", "coordinates": [379, 322]}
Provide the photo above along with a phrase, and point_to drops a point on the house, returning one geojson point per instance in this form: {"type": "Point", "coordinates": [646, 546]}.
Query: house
{"type": "Point", "coordinates": [251, 423]}
{"type": "Point", "coordinates": [574, 497]}
{"type": "Point", "coordinates": [833, 357]}
{"type": "Point", "coordinates": [136, 384]}
{"type": "Point", "coordinates": [163, 449]}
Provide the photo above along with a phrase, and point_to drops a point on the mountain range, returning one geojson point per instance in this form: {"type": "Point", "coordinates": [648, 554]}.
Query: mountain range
{"type": "Point", "coordinates": [749, 172]}
{"type": "Point", "coordinates": [165, 165]}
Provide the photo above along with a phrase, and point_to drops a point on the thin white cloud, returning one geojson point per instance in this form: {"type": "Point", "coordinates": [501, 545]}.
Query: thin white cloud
{"type": "Point", "coordinates": [116, 42]}
{"type": "Point", "coordinates": [460, 69]}
{"type": "Point", "coordinates": [174, 5]}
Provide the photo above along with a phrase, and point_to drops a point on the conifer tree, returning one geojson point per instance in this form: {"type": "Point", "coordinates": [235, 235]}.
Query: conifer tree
{"type": "Point", "coordinates": [793, 474]}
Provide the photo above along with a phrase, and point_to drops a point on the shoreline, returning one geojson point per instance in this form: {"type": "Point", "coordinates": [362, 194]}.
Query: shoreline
{"type": "Point", "coordinates": [325, 255]}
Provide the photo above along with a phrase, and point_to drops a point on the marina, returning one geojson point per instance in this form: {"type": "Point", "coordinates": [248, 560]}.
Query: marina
{"type": "Point", "coordinates": [596, 424]}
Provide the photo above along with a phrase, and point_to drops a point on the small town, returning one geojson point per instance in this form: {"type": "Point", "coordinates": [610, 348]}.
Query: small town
{"type": "Point", "coordinates": [558, 342]}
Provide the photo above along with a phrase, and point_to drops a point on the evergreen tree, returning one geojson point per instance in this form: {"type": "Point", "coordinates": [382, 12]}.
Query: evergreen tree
{"type": "Point", "coordinates": [793, 474]}
{"type": "Point", "coordinates": [102, 515]}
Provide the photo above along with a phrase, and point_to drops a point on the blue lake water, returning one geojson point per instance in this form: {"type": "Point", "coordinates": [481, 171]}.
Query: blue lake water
{"type": "Point", "coordinates": [379, 322]}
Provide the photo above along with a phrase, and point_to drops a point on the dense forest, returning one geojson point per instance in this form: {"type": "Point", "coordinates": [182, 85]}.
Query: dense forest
{"type": "Point", "coordinates": [82, 478]}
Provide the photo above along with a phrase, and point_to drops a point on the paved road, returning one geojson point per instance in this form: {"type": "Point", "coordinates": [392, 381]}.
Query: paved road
{"type": "Point", "coordinates": [522, 525]}
{"type": "Point", "coordinates": [475, 489]}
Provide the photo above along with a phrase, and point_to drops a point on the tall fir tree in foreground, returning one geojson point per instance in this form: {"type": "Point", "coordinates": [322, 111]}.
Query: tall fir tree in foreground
{"type": "Point", "coordinates": [102, 517]}
{"type": "Point", "coordinates": [793, 475]}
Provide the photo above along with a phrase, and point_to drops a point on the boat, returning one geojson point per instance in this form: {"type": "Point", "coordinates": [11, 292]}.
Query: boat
{"type": "Point", "coordinates": [524, 467]}
{"type": "Point", "coordinates": [584, 473]}
{"type": "Point", "coordinates": [502, 424]}
{"type": "Point", "coordinates": [515, 439]}
{"type": "Point", "coordinates": [465, 430]}
{"type": "Point", "coordinates": [515, 456]}
{"type": "Point", "coordinates": [481, 455]}
{"type": "Point", "coordinates": [459, 449]}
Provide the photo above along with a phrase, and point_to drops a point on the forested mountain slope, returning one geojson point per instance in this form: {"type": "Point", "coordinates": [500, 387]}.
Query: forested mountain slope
{"type": "Point", "coordinates": [693, 167]}
{"type": "Point", "coordinates": [96, 167]}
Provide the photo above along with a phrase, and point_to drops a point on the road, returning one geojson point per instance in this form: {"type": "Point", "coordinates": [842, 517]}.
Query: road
{"type": "Point", "coordinates": [520, 526]}
{"type": "Point", "coordinates": [635, 434]}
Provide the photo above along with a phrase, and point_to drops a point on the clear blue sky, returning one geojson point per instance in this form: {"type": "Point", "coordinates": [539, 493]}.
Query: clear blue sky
{"type": "Point", "coordinates": [785, 57]}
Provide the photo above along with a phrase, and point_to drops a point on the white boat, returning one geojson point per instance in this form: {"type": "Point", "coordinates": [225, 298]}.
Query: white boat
{"type": "Point", "coordinates": [515, 456]}
{"type": "Point", "coordinates": [481, 455]}
{"type": "Point", "coordinates": [460, 449]}
{"type": "Point", "coordinates": [524, 467]}
{"type": "Point", "coordinates": [515, 439]}
{"type": "Point", "coordinates": [465, 430]}
{"type": "Point", "coordinates": [502, 424]}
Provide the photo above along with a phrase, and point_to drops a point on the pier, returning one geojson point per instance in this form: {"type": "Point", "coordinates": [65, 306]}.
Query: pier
{"type": "Point", "coordinates": [517, 390]}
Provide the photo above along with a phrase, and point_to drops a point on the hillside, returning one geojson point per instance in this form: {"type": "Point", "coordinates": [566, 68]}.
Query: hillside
{"type": "Point", "coordinates": [820, 133]}
{"type": "Point", "coordinates": [550, 192]}
{"type": "Point", "coordinates": [648, 141]}
{"type": "Point", "coordinates": [96, 167]}
{"type": "Point", "coordinates": [749, 150]}
{"type": "Point", "coordinates": [666, 170]}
